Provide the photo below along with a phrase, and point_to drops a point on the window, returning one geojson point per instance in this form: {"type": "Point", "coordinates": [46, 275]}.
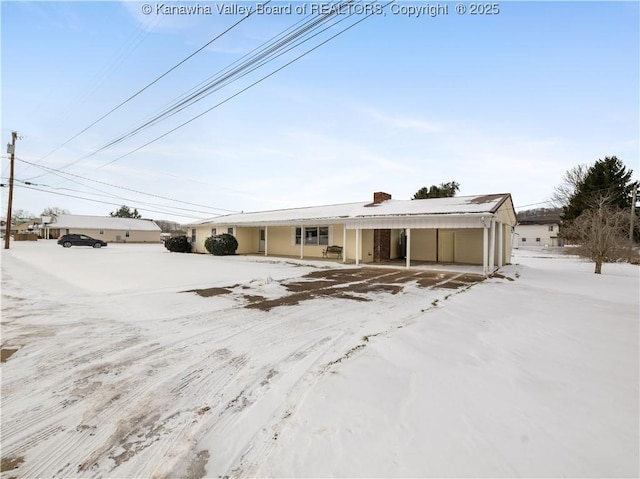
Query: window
{"type": "Point", "coordinates": [550, 227]}
{"type": "Point", "coordinates": [101, 232]}
{"type": "Point", "coordinates": [524, 240]}
{"type": "Point", "coordinates": [213, 231]}
{"type": "Point", "coordinates": [193, 235]}
{"type": "Point", "coordinates": [537, 240]}
{"type": "Point", "coordinates": [127, 234]}
{"type": "Point", "coordinates": [313, 235]}
{"type": "Point", "coordinates": [230, 230]}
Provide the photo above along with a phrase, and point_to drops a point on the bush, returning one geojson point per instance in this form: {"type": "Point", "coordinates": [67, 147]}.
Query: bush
{"type": "Point", "coordinates": [179, 244]}
{"type": "Point", "coordinates": [221, 245]}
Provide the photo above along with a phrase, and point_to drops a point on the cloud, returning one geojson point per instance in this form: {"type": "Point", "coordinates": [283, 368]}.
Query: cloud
{"type": "Point", "coordinates": [403, 122]}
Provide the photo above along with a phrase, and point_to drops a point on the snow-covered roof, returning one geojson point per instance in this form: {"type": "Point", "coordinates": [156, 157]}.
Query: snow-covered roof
{"type": "Point", "coordinates": [103, 222]}
{"type": "Point", "coordinates": [461, 205]}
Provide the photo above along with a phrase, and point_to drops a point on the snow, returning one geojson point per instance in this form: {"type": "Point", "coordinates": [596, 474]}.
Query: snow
{"type": "Point", "coordinates": [103, 222]}
{"type": "Point", "coordinates": [120, 373]}
{"type": "Point", "coordinates": [458, 205]}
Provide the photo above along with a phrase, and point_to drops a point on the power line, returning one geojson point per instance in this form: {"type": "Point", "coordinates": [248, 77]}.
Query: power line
{"type": "Point", "coordinates": [534, 204]}
{"type": "Point", "coordinates": [60, 173]}
{"type": "Point", "coordinates": [149, 85]}
{"type": "Point", "coordinates": [109, 195]}
{"type": "Point", "coordinates": [242, 90]}
{"type": "Point", "coordinates": [103, 202]}
{"type": "Point", "coordinates": [267, 52]}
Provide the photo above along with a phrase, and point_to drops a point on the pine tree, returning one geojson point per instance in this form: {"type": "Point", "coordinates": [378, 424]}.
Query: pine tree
{"type": "Point", "coordinates": [608, 177]}
{"type": "Point", "coordinates": [445, 190]}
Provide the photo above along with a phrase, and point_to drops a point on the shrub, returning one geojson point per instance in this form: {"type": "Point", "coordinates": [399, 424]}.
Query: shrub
{"type": "Point", "coordinates": [221, 245]}
{"type": "Point", "coordinates": [179, 244]}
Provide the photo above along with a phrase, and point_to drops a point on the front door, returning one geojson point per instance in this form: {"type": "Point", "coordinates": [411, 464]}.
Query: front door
{"type": "Point", "coordinates": [261, 241]}
{"type": "Point", "coordinates": [381, 245]}
{"type": "Point", "coordinates": [446, 241]}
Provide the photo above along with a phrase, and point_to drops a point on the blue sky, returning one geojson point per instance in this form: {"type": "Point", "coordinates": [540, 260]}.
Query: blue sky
{"type": "Point", "coordinates": [499, 103]}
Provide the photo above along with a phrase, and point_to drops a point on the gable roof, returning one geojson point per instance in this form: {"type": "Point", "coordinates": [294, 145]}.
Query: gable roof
{"type": "Point", "coordinates": [103, 222]}
{"type": "Point", "coordinates": [462, 205]}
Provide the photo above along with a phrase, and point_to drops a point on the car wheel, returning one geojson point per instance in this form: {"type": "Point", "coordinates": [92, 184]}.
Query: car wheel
{"type": "Point", "coordinates": [97, 245]}
{"type": "Point", "coordinates": [67, 244]}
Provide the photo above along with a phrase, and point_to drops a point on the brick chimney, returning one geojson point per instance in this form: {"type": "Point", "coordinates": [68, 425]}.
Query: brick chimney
{"type": "Point", "coordinates": [380, 196]}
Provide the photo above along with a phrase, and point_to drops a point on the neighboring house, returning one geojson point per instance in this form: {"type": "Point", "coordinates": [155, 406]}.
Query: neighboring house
{"type": "Point", "coordinates": [465, 229]}
{"type": "Point", "coordinates": [107, 228]}
{"type": "Point", "coordinates": [538, 231]}
{"type": "Point", "coordinates": [27, 226]}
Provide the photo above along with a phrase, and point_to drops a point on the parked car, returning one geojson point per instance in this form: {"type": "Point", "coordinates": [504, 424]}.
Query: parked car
{"type": "Point", "coordinates": [80, 240]}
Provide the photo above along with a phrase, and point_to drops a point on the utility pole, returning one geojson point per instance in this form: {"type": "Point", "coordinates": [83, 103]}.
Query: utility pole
{"type": "Point", "coordinates": [11, 149]}
{"type": "Point", "coordinates": [633, 213]}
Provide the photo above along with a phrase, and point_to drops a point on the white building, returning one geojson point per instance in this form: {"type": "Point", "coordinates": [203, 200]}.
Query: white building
{"type": "Point", "coordinates": [107, 228]}
{"type": "Point", "coordinates": [538, 231]}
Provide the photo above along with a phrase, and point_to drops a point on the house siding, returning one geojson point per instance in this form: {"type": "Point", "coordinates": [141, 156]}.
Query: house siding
{"type": "Point", "coordinates": [423, 245]}
{"type": "Point", "coordinates": [468, 246]}
{"type": "Point", "coordinates": [527, 235]}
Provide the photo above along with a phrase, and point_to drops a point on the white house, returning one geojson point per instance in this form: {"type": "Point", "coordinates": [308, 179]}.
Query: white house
{"type": "Point", "coordinates": [466, 229]}
{"type": "Point", "coordinates": [540, 231]}
{"type": "Point", "coordinates": [107, 228]}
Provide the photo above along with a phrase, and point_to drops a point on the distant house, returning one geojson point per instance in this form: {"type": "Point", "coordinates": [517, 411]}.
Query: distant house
{"type": "Point", "coordinates": [538, 231]}
{"type": "Point", "coordinates": [106, 228]}
{"type": "Point", "coordinates": [27, 226]}
{"type": "Point", "coordinates": [467, 229]}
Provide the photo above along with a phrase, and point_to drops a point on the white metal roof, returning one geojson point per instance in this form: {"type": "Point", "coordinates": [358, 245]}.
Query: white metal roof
{"type": "Point", "coordinates": [103, 222]}
{"type": "Point", "coordinates": [353, 213]}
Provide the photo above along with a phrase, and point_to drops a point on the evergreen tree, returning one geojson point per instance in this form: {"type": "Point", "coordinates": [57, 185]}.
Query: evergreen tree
{"type": "Point", "coordinates": [445, 190]}
{"type": "Point", "coordinates": [608, 177]}
{"type": "Point", "coordinates": [125, 212]}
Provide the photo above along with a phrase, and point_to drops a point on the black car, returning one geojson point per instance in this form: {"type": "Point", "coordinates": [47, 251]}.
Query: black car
{"type": "Point", "coordinates": [80, 240]}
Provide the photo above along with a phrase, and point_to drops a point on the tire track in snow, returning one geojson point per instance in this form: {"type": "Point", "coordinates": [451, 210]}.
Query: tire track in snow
{"type": "Point", "coordinates": [148, 402]}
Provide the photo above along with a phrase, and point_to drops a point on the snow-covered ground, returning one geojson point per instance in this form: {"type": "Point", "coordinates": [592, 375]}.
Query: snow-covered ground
{"type": "Point", "coordinates": [110, 369]}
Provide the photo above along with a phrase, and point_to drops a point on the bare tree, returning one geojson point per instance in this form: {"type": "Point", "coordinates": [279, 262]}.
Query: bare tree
{"type": "Point", "coordinates": [21, 215]}
{"type": "Point", "coordinates": [571, 182]}
{"type": "Point", "coordinates": [601, 231]}
{"type": "Point", "coordinates": [54, 211]}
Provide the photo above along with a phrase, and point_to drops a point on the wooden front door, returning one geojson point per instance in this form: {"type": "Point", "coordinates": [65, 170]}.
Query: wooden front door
{"type": "Point", "coordinates": [381, 245]}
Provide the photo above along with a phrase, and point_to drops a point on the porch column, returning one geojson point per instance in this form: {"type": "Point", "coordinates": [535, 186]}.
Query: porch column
{"type": "Point", "coordinates": [344, 243]}
{"type": "Point", "coordinates": [485, 252]}
{"type": "Point", "coordinates": [500, 240]}
{"type": "Point", "coordinates": [492, 246]}
{"type": "Point", "coordinates": [408, 253]}
{"type": "Point", "coordinates": [357, 246]}
{"type": "Point", "coordinates": [302, 242]}
{"type": "Point", "coordinates": [266, 240]}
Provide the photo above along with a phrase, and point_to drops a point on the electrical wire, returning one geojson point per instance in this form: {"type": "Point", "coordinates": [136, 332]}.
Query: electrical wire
{"type": "Point", "coordinates": [241, 91]}
{"type": "Point", "coordinates": [265, 57]}
{"type": "Point", "coordinates": [60, 173]}
{"type": "Point", "coordinates": [149, 84]}
{"type": "Point", "coordinates": [104, 202]}
{"type": "Point", "coordinates": [267, 52]}
{"type": "Point", "coordinates": [110, 195]}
